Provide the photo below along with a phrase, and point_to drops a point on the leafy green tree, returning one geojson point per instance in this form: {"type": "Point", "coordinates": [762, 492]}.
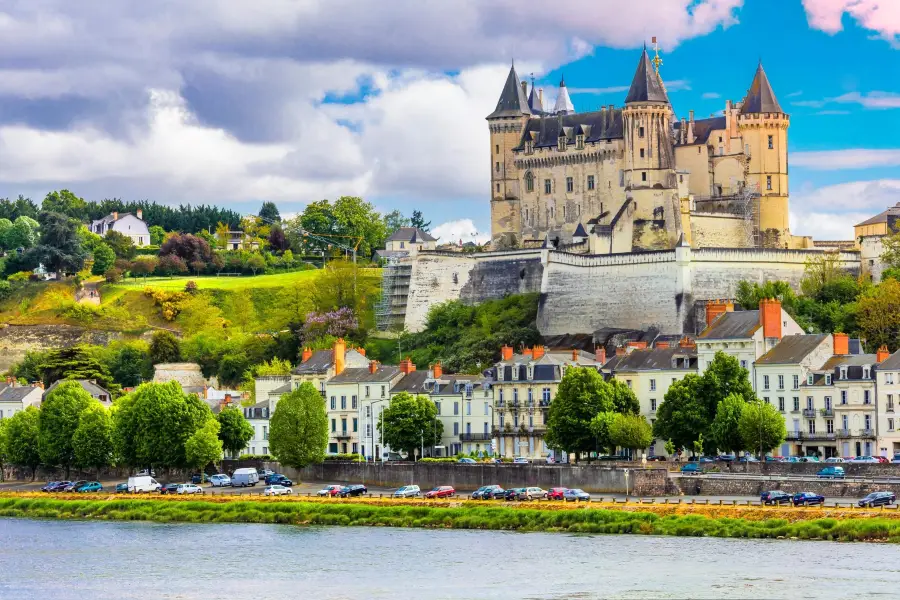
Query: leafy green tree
{"type": "Point", "coordinates": [600, 428]}
{"type": "Point", "coordinates": [104, 259]}
{"type": "Point", "coordinates": [723, 377]}
{"type": "Point", "coordinates": [157, 235]}
{"type": "Point", "coordinates": [21, 437]}
{"type": "Point", "coordinates": [724, 430]}
{"type": "Point", "coordinates": [4, 450]}
{"type": "Point", "coordinates": [409, 423]}
{"type": "Point", "coordinates": [234, 430]}
{"type": "Point", "coordinates": [419, 221]}
{"type": "Point", "coordinates": [164, 347]}
{"type": "Point", "coordinates": [93, 439]}
{"type": "Point", "coordinates": [204, 446]}
{"type": "Point", "coordinates": [144, 265]}
{"type": "Point", "coordinates": [682, 416]}
{"type": "Point", "coordinates": [630, 431]}
{"type": "Point", "coordinates": [622, 397]}
{"type": "Point", "coordinates": [153, 423]}
{"type": "Point", "coordinates": [670, 448]}
{"type": "Point", "coordinates": [879, 315]}
{"type": "Point", "coordinates": [762, 427]}
{"type": "Point", "coordinates": [5, 227]}
{"type": "Point", "coordinates": [268, 212]}
{"type": "Point", "coordinates": [60, 248]}
{"type": "Point", "coordinates": [23, 233]}
{"type": "Point", "coordinates": [256, 262]}
{"type": "Point", "coordinates": [698, 445]}
{"type": "Point", "coordinates": [60, 415]}
{"type": "Point", "coordinates": [121, 244]}
{"type": "Point", "coordinates": [393, 221]}
{"type": "Point", "coordinates": [131, 366]}
{"type": "Point", "coordinates": [75, 362]}
{"type": "Point", "coordinates": [298, 429]}
{"type": "Point", "coordinates": [581, 395]}
{"type": "Point", "coordinates": [65, 203]}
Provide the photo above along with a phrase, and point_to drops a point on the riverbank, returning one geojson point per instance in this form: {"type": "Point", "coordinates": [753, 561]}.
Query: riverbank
{"type": "Point", "coordinates": [674, 520]}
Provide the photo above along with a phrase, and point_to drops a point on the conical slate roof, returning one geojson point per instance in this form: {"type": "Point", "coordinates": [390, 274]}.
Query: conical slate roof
{"type": "Point", "coordinates": [646, 85]}
{"type": "Point", "coordinates": [512, 102]}
{"type": "Point", "coordinates": [563, 102]}
{"type": "Point", "coordinates": [534, 102]}
{"type": "Point", "coordinates": [760, 97]}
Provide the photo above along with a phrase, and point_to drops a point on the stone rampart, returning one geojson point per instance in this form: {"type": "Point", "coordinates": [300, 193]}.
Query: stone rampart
{"type": "Point", "coordinates": [830, 488]}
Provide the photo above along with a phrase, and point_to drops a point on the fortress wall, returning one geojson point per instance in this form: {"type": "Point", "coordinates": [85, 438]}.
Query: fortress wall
{"type": "Point", "coordinates": [442, 276]}
{"type": "Point", "coordinates": [720, 231]}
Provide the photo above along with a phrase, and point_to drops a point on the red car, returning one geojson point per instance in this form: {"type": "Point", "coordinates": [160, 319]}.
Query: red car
{"type": "Point", "coordinates": [556, 494]}
{"type": "Point", "coordinates": [882, 459]}
{"type": "Point", "coordinates": [442, 491]}
{"type": "Point", "coordinates": [330, 490]}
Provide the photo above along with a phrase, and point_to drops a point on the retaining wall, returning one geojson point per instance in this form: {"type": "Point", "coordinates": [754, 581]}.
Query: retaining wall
{"type": "Point", "coordinates": [716, 486]}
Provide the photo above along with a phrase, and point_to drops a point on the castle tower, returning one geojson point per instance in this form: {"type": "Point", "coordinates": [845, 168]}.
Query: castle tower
{"type": "Point", "coordinates": [763, 127]}
{"type": "Point", "coordinates": [563, 102]}
{"type": "Point", "coordinates": [650, 179]}
{"type": "Point", "coordinates": [506, 124]}
{"type": "Point", "coordinates": [535, 100]}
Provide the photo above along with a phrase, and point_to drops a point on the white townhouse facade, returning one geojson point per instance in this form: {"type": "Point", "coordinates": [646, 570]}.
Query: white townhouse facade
{"type": "Point", "coordinates": [129, 225]}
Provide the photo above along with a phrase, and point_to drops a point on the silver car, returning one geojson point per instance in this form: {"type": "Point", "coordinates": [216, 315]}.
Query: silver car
{"type": "Point", "coordinates": [407, 491]}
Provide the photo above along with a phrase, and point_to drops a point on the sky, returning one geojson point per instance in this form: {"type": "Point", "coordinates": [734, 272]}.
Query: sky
{"type": "Point", "coordinates": [236, 103]}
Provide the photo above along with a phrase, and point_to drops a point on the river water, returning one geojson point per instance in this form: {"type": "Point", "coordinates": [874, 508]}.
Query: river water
{"type": "Point", "coordinates": [76, 560]}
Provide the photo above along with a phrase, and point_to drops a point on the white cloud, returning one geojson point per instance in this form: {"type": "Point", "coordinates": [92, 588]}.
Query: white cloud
{"type": "Point", "coordinates": [869, 100]}
{"type": "Point", "coordinates": [460, 229]}
{"type": "Point", "coordinates": [854, 158]}
{"type": "Point", "coordinates": [711, 95]}
{"type": "Point", "coordinates": [881, 16]}
{"type": "Point", "coordinates": [830, 212]}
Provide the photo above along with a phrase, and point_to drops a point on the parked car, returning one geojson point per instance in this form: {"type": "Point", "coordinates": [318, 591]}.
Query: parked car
{"type": "Point", "coordinates": [220, 480]}
{"type": "Point", "coordinates": [351, 490]}
{"type": "Point", "coordinates": [834, 460]}
{"type": "Point", "coordinates": [807, 499]}
{"type": "Point", "coordinates": [407, 491]}
{"type": "Point", "coordinates": [73, 487]}
{"type": "Point", "coordinates": [278, 478]}
{"type": "Point", "coordinates": [441, 491]}
{"type": "Point", "coordinates": [726, 458]}
{"type": "Point", "coordinates": [658, 457]}
{"type": "Point", "coordinates": [775, 497]}
{"type": "Point", "coordinates": [146, 473]}
{"type": "Point", "coordinates": [521, 460]}
{"type": "Point", "coordinates": [512, 494]}
{"type": "Point", "coordinates": [691, 468]}
{"type": "Point", "coordinates": [896, 458]}
{"type": "Point", "coordinates": [557, 493]}
{"type": "Point", "coordinates": [865, 459]}
{"type": "Point", "coordinates": [56, 486]}
{"type": "Point", "coordinates": [328, 490]}
{"type": "Point", "coordinates": [91, 486]}
{"type": "Point", "coordinates": [775, 459]}
{"type": "Point", "coordinates": [748, 458]}
{"type": "Point", "coordinates": [466, 461]}
{"type": "Point", "coordinates": [878, 499]}
{"type": "Point", "coordinates": [882, 459]}
{"type": "Point", "coordinates": [533, 493]}
{"type": "Point", "coordinates": [143, 483]}
{"type": "Point", "coordinates": [50, 485]}
{"type": "Point", "coordinates": [576, 495]}
{"type": "Point", "coordinates": [121, 488]}
{"type": "Point", "coordinates": [169, 488]}
{"type": "Point", "coordinates": [487, 492]}
{"type": "Point", "coordinates": [277, 490]}
{"type": "Point", "coordinates": [831, 473]}
{"type": "Point", "coordinates": [263, 473]}
{"type": "Point", "coordinates": [188, 488]}
{"type": "Point", "coordinates": [244, 477]}
{"type": "Point", "coordinates": [198, 478]}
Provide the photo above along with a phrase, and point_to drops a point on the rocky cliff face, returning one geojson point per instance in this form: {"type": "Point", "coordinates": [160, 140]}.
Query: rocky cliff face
{"type": "Point", "coordinates": [16, 340]}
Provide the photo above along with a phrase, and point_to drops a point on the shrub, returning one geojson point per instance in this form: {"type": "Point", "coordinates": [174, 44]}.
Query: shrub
{"type": "Point", "coordinates": [438, 460]}
{"type": "Point", "coordinates": [268, 457]}
{"type": "Point", "coordinates": [20, 276]}
{"type": "Point", "coordinates": [191, 287]}
{"type": "Point", "coordinates": [353, 457]}
{"type": "Point", "coordinates": [5, 290]}
{"type": "Point", "coordinates": [113, 275]}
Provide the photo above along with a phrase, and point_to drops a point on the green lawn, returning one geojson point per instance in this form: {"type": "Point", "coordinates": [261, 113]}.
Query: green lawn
{"type": "Point", "coordinates": [214, 282]}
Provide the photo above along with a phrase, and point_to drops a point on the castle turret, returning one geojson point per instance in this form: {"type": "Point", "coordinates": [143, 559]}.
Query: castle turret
{"type": "Point", "coordinates": [535, 100]}
{"type": "Point", "coordinates": [506, 124]}
{"type": "Point", "coordinates": [650, 178]}
{"type": "Point", "coordinates": [563, 102]}
{"type": "Point", "coordinates": [763, 127]}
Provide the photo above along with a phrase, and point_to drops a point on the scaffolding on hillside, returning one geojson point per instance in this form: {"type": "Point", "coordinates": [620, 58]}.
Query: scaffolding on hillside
{"type": "Point", "coordinates": [390, 311]}
{"type": "Point", "coordinates": [743, 204]}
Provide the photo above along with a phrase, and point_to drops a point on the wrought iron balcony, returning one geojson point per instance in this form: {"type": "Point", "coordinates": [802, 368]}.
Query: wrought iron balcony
{"type": "Point", "coordinates": [809, 412]}
{"type": "Point", "coordinates": [828, 437]}
{"type": "Point", "coordinates": [475, 437]}
{"type": "Point", "coordinates": [842, 433]}
{"type": "Point", "coordinates": [795, 435]}
{"type": "Point", "coordinates": [341, 435]}
{"type": "Point", "coordinates": [867, 433]}
{"type": "Point", "coordinates": [827, 412]}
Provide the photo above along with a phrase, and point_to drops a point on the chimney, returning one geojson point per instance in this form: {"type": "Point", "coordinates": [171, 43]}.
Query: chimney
{"type": "Point", "coordinates": [538, 352]}
{"type": "Point", "coordinates": [686, 342]}
{"type": "Point", "coordinates": [528, 352]}
{"type": "Point", "coordinates": [634, 345]}
{"type": "Point", "coordinates": [373, 366]}
{"type": "Point", "coordinates": [662, 345]}
{"type": "Point", "coordinates": [205, 391]}
{"type": "Point", "coordinates": [407, 366]}
{"type": "Point", "coordinates": [307, 354]}
{"type": "Point", "coordinates": [339, 356]}
{"type": "Point", "coordinates": [115, 216]}
{"type": "Point", "coordinates": [574, 355]}
{"type": "Point", "coordinates": [39, 384]}
{"type": "Point", "coordinates": [620, 350]}
{"type": "Point", "coordinates": [361, 350]}
{"type": "Point", "coordinates": [882, 354]}
{"type": "Point", "coordinates": [717, 308]}
{"type": "Point", "coordinates": [437, 370]}
{"type": "Point", "coordinates": [770, 317]}
{"type": "Point", "coordinates": [227, 399]}
{"type": "Point", "coordinates": [525, 88]}
{"type": "Point", "coordinates": [506, 353]}
{"type": "Point", "coordinates": [600, 355]}
{"type": "Point", "coordinates": [140, 214]}
{"type": "Point", "coordinates": [541, 96]}
{"type": "Point", "coordinates": [841, 344]}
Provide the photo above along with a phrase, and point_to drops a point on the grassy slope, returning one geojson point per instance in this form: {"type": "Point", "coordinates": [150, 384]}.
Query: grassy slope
{"type": "Point", "coordinates": [212, 282]}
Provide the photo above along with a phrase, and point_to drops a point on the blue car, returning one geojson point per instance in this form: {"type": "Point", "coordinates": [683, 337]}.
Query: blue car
{"type": "Point", "coordinates": [807, 499]}
{"type": "Point", "coordinates": [576, 495]}
{"type": "Point", "coordinates": [691, 468]}
{"type": "Point", "coordinates": [831, 473]}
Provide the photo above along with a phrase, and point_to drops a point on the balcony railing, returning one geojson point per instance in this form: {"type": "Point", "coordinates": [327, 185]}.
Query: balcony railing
{"type": "Point", "coordinates": [842, 433]}
{"type": "Point", "coordinates": [827, 412]}
{"type": "Point", "coordinates": [828, 437]}
{"type": "Point", "coordinates": [341, 435]}
{"type": "Point", "coordinates": [890, 408]}
{"type": "Point", "coordinates": [795, 435]}
{"type": "Point", "coordinates": [475, 437]}
{"type": "Point", "coordinates": [809, 412]}
{"type": "Point", "coordinates": [501, 403]}
{"type": "Point", "coordinates": [867, 433]}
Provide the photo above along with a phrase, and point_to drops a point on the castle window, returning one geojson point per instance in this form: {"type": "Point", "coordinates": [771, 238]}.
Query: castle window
{"type": "Point", "coordinates": [529, 182]}
{"type": "Point", "coordinates": [768, 182]}
{"type": "Point", "coordinates": [497, 167]}
{"type": "Point", "coordinates": [640, 132]}
{"type": "Point", "coordinates": [771, 143]}
{"type": "Point", "coordinates": [720, 139]}
{"type": "Point", "coordinates": [642, 153]}
{"type": "Point", "coordinates": [570, 184]}
{"type": "Point", "coordinates": [643, 175]}
{"type": "Point", "coordinates": [579, 142]}
{"type": "Point", "coordinates": [590, 182]}
{"type": "Point", "coordinates": [498, 188]}
{"type": "Point", "coordinates": [546, 186]}
{"type": "Point", "coordinates": [529, 147]}
{"type": "Point", "coordinates": [497, 149]}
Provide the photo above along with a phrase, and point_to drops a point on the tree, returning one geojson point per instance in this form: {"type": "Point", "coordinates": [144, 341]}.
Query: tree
{"type": "Point", "coordinates": [268, 212]}
{"type": "Point", "coordinates": [682, 416]}
{"type": "Point", "coordinates": [256, 262]}
{"type": "Point", "coordinates": [394, 220]}
{"type": "Point", "coordinates": [670, 448]}
{"type": "Point", "coordinates": [723, 377]}
{"type": "Point", "coordinates": [93, 439]}
{"type": "Point", "coordinates": [630, 431]}
{"type": "Point", "coordinates": [121, 244]}
{"type": "Point", "coordinates": [164, 347]}
{"type": "Point", "coordinates": [60, 415]}
{"type": "Point", "coordinates": [761, 427]}
{"type": "Point", "coordinates": [234, 430]}
{"type": "Point", "coordinates": [23, 233]}
{"type": "Point", "coordinates": [277, 241]}
{"type": "Point", "coordinates": [144, 265]}
{"type": "Point", "coordinates": [188, 247]}
{"type": "Point", "coordinates": [60, 248]}
{"type": "Point", "coordinates": [204, 446]}
{"type": "Point", "coordinates": [581, 395]}
{"type": "Point", "coordinates": [725, 428]}
{"type": "Point", "coordinates": [157, 235]}
{"type": "Point", "coordinates": [104, 259]}
{"type": "Point", "coordinates": [4, 450]}
{"type": "Point", "coordinates": [298, 429]}
{"type": "Point", "coordinates": [153, 424]}
{"type": "Point", "coordinates": [820, 271]}
{"type": "Point", "coordinates": [600, 428]}
{"type": "Point", "coordinates": [75, 362]}
{"type": "Point", "coordinates": [698, 445]}
{"type": "Point", "coordinates": [171, 264]}
{"type": "Point", "coordinates": [66, 203]}
{"type": "Point", "coordinates": [21, 438]}
{"type": "Point", "coordinates": [418, 221]}
{"type": "Point", "coordinates": [130, 366]}
{"type": "Point", "coordinates": [222, 231]}
{"type": "Point", "coordinates": [879, 315]}
{"type": "Point", "coordinates": [409, 423]}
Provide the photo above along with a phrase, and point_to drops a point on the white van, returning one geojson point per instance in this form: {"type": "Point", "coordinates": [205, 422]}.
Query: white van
{"type": "Point", "coordinates": [143, 483]}
{"type": "Point", "coordinates": [244, 477]}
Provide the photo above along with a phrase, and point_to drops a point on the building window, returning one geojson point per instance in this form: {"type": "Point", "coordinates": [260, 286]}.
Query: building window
{"type": "Point", "coordinates": [796, 403]}
{"type": "Point", "coordinates": [562, 143]}
{"type": "Point", "coordinates": [515, 394]}
{"type": "Point", "coordinates": [455, 428]}
{"type": "Point", "coordinates": [827, 402]}
{"type": "Point", "coordinates": [889, 378]}
{"type": "Point", "coordinates": [866, 397]}
{"type": "Point", "coordinates": [640, 132]}
{"type": "Point", "coordinates": [501, 421]}
{"type": "Point", "coordinates": [866, 372]}
{"type": "Point", "coordinates": [890, 403]}
{"type": "Point", "coordinates": [809, 402]}
{"type": "Point", "coordinates": [570, 184]}
{"type": "Point", "coordinates": [529, 182]}
{"type": "Point", "coordinates": [652, 385]}
{"type": "Point", "coordinates": [809, 379]}
{"type": "Point", "coordinates": [652, 403]}
{"type": "Point", "coordinates": [468, 409]}
{"type": "Point", "coordinates": [456, 408]}
{"type": "Point", "coordinates": [768, 182]}
{"type": "Point", "coordinates": [498, 188]}
{"type": "Point", "coordinates": [333, 403]}
{"type": "Point", "coordinates": [796, 382]}
{"type": "Point", "coordinates": [355, 424]}
{"type": "Point", "coordinates": [590, 182]}
{"type": "Point", "coordinates": [333, 425]}
{"type": "Point", "coordinates": [579, 142]}
{"type": "Point", "coordinates": [811, 424]}
{"type": "Point", "coordinates": [497, 167]}
{"type": "Point", "coordinates": [845, 422]}
{"type": "Point", "coordinates": [890, 424]}
{"type": "Point", "coordinates": [382, 391]}
{"type": "Point", "coordinates": [486, 408]}
{"type": "Point", "coordinates": [546, 186]}
{"type": "Point", "coordinates": [545, 394]}
{"type": "Point", "coordinates": [828, 379]}
{"type": "Point", "coordinates": [843, 396]}
{"type": "Point", "coordinates": [765, 382]}
{"type": "Point", "coordinates": [367, 391]}
{"type": "Point", "coordinates": [343, 402]}
{"type": "Point", "coordinates": [437, 406]}
{"type": "Point", "coordinates": [497, 148]}
{"type": "Point", "coordinates": [781, 382]}
{"type": "Point", "coordinates": [829, 425]}
{"type": "Point", "coordinates": [643, 176]}
{"type": "Point", "coordinates": [781, 404]}
{"type": "Point", "coordinates": [743, 364]}
{"type": "Point", "coordinates": [771, 142]}
{"type": "Point", "coordinates": [501, 393]}
{"type": "Point", "coordinates": [642, 153]}
{"type": "Point", "coordinates": [530, 395]}
{"type": "Point", "coordinates": [843, 373]}
{"type": "Point", "coordinates": [265, 432]}
{"type": "Point", "coordinates": [628, 383]}
{"type": "Point", "coordinates": [868, 422]}
{"type": "Point", "coordinates": [332, 448]}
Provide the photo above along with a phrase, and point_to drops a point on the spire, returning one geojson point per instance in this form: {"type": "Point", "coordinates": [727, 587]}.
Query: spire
{"type": "Point", "coordinates": [512, 102]}
{"type": "Point", "coordinates": [534, 100]}
{"type": "Point", "coordinates": [760, 97]}
{"type": "Point", "coordinates": [646, 85]}
{"type": "Point", "coordinates": [563, 102]}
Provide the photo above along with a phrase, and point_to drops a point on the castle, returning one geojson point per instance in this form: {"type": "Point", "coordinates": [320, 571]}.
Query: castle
{"type": "Point", "coordinates": [627, 179]}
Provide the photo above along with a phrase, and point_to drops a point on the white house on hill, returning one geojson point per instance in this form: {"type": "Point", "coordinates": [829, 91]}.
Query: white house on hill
{"type": "Point", "coordinates": [127, 224]}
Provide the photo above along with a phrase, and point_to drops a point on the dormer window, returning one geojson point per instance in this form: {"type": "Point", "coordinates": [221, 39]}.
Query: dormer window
{"type": "Point", "coordinates": [809, 379]}
{"type": "Point", "coordinates": [562, 143]}
{"type": "Point", "coordinates": [579, 142]}
{"type": "Point", "coordinates": [500, 370]}
{"type": "Point", "coordinates": [529, 147]}
{"type": "Point", "coordinates": [530, 372]}
{"type": "Point", "coordinates": [515, 372]}
{"type": "Point", "coordinates": [843, 373]}
{"type": "Point", "coordinates": [866, 371]}
{"type": "Point", "coordinates": [828, 379]}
